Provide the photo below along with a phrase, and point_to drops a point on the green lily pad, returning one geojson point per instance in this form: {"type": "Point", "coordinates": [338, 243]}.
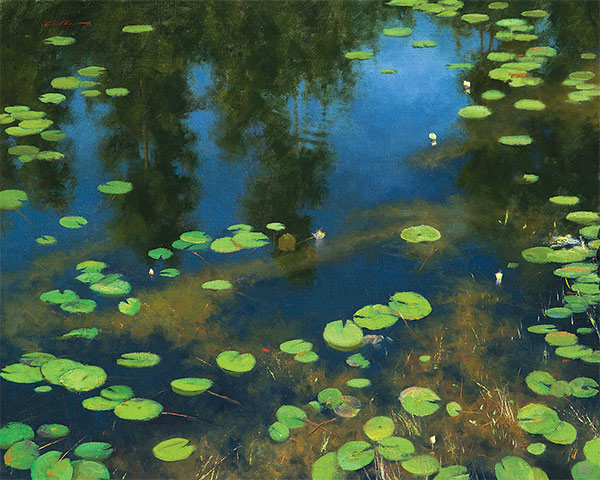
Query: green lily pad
{"type": "Point", "coordinates": [558, 312]}
{"type": "Point", "coordinates": [529, 104]}
{"type": "Point", "coordinates": [378, 428]}
{"type": "Point", "coordinates": [560, 339]}
{"type": "Point", "coordinates": [160, 253]}
{"type": "Point", "coordinates": [115, 187]}
{"type": "Point", "coordinates": [359, 55]}
{"type": "Point", "coordinates": [591, 450]}
{"type": "Point", "coordinates": [100, 404]}
{"type": "Point", "coordinates": [236, 362]}
{"type": "Point", "coordinates": [586, 289]}
{"type": "Point", "coordinates": [22, 132]}
{"type": "Point", "coordinates": [453, 472]}
{"type": "Point", "coordinates": [14, 432]}
{"type": "Point", "coordinates": [138, 360]}
{"type": "Point", "coordinates": [217, 285]}
{"type": "Point", "coordinates": [54, 98]}
{"type": "Point", "coordinates": [173, 450]}
{"type": "Point", "coordinates": [424, 465]}
{"type": "Point", "coordinates": [419, 401]}
{"type": "Point", "coordinates": [357, 360]}
{"type": "Point", "coordinates": [129, 306]}
{"type": "Point", "coordinates": [343, 337]}
{"type": "Point", "coordinates": [584, 387]}
{"type": "Point", "coordinates": [169, 272]}
{"type": "Point", "coordinates": [90, 93]}
{"type": "Point", "coordinates": [275, 226]}
{"type": "Point", "coordinates": [56, 296]}
{"type": "Point", "coordinates": [5, 119]}
{"type": "Point", "coordinates": [410, 305]}
{"type": "Point", "coordinates": [89, 470]}
{"type": "Point", "coordinates": [588, 56]}
{"type": "Point", "coordinates": [560, 389]}
{"type": "Point", "coordinates": [296, 346]}
{"type": "Point", "coordinates": [20, 373]}
{"type": "Point", "coordinates": [585, 470]}
{"type": "Point", "coordinates": [195, 237]}
{"type": "Point", "coordinates": [395, 448]}
{"type": "Point", "coordinates": [291, 416]}
{"type": "Point", "coordinates": [240, 227]}
{"type": "Point", "coordinates": [49, 466]}
{"type": "Point", "coordinates": [91, 266]}
{"type": "Point", "coordinates": [573, 351]}
{"type": "Point", "coordinates": [375, 317]}
{"type": "Point", "coordinates": [591, 231]}
{"type": "Point", "coordinates": [88, 333]}
{"type": "Point", "coordinates": [453, 409]}
{"type": "Point", "coordinates": [306, 357]}
{"type": "Point", "coordinates": [190, 387]}
{"type": "Point", "coordinates": [515, 140]}
{"type": "Point", "coordinates": [514, 468]}
{"type": "Point", "coordinates": [459, 66]}
{"type": "Point", "coordinates": [349, 408]}
{"type": "Point", "coordinates": [80, 305]}
{"type": "Point", "coordinates": [583, 217]}
{"type": "Point", "coordinates": [330, 398]}
{"type": "Point", "coordinates": [473, 18]}
{"type": "Point", "coordinates": [137, 28]}
{"type": "Point", "coordinates": [574, 270]}
{"type": "Point", "coordinates": [540, 382]}
{"type": "Point", "coordinates": [23, 150]}
{"type": "Point", "coordinates": [111, 286]}
{"type": "Point", "coordinates": [421, 233]}
{"type": "Point", "coordinates": [536, 418]}
{"type": "Point", "coordinates": [117, 392]}
{"type": "Point", "coordinates": [501, 56]}
{"type": "Point", "coordinates": [498, 5]}
{"type": "Point", "coordinates": [36, 359]}
{"type": "Point", "coordinates": [139, 409]}
{"type": "Point", "coordinates": [117, 92]}
{"type": "Point", "coordinates": [38, 123]}
{"type": "Point", "coordinates": [92, 71]}
{"type": "Point", "coordinates": [59, 41]}
{"type": "Point", "coordinates": [326, 467]}
{"type": "Point", "coordinates": [83, 379]}
{"type": "Point", "coordinates": [536, 254]}
{"type": "Point", "coordinates": [585, 330]}
{"type": "Point", "coordinates": [279, 432]}
{"type": "Point", "coordinates": [475, 111]}
{"type": "Point", "coordinates": [53, 135]}
{"type": "Point", "coordinates": [53, 430]}
{"type": "Point", "coordinates": [224, 245]}
{"type": "Point", "coordinates": [493, 95]}
{"type": "Point", "coordinates": [389, 71]}
{"type": "Point", "coordinates": [12, 199]}
{"type": "Point", "coordinates": [53, 369]}
{"type": "Point", "coordinates": [536, 448]}
{"type": "Point", "coordinates": [593, 357]}
{"type": "Point", "coordinates": [97, 451]}
{"type": "Point", "coordinates": [563, 434]}
{"type": "Point", "coordinates": [424, 44]}
{"type": "Point", "coordinates": [250, 239]}
{"type": "Point", "coordinates": [397, 32]}
{"type": "Point", "coordinates": [541, 52]}
{"type": "Point", "coordinates": [73, 222]}
{"type": "Point", "coordinates": [65, 83]}
{"type": "Point", "coordinates": [49, 156]}
{"type": "Point", "coordinates": [355, 455]}
{"type": "Point", "coordinates": [534, 13]}
{"type": "Point", "coordinates": [359, 383]}
{"type": "Point", "coordinates": [21, 455]}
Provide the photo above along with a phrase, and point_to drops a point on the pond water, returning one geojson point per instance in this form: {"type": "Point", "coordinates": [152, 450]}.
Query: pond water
{"type": "Point", "coordinates": [251, 113]}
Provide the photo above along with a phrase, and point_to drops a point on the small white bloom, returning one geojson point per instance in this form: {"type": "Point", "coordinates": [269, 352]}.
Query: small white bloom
{"type": "Point", "coordinates": [433, 138]}
{"type": "Point", "coordinates": [499, 276]}
{"type": "Point", "coordinates": [432, 440]}
{"type": "Point", "coordinates": [151, 272]}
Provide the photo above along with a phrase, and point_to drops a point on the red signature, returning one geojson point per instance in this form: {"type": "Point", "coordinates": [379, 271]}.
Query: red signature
{"type": "Point", "coordinates": [65, 22]}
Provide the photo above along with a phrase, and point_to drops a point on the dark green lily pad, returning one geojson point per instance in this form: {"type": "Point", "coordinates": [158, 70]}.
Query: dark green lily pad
{"type": "Point", "coordinates": [20, 373]}
{"type": "Point", "coordinates": [160, 253]}
{"type": "Point", "coordinates": [395, 448]}
{"type": "Point", "coordinates": [514, 468]}
{"type": "Point", "coordinates": [139, 409]}
{"type": "Point", "coordinates": [343, 337]}
{"type": "Point", "coordinates": [138, 360]}
{"type": "Point", "coordinates": [81, 305]}
{"type": "Point", "coordinates": [563, 434]}
{"type": "Point", "coordinates": [49, 466]}
{"type": "Point", "coordinates": [117, 392]}
{"type": "Point", "coordinates": [584, 387]}
{"type": "Point", "coordinates": [279, 432]}
{"type": "Point", "coordinates": [291, 416]}
{"type": "Point", "coordinates": [99, 404]}
{"type": "Point", "coordinates": [236, 362]}
{"type": "Point", "coordinates": [296, 346]}
{"type": "Point", "coordinates": [129, 306]}
{"type": "Point", "coordinates": [536, 418]}
{"type": "Point", "coordinates": [59, 41]}
{"type": "Point", "coordinates": [515, 140]}
{"type": "Point", "coordinates": [421, 233]}
{"type": "Point", "coordinates": [397, 32]}
{"type": "Point", "coordinates": [115, 187]}
{"type": "Point", "coordinates": [585, 330]}
{"type": "Point", "coordinates": [111, 286]}
{"type": "Point", "coordinates": [357, 360]}
{"type": "Point", "coordinates": [53, 369]}
{"type": "Point", "coordinates": [14, 432]}
{"type": "Point", "coordinates": [583, 217]}
{"type": "Point", "coordinates": [88, 333]}
{"type": "Point", "coordinates": [355, 455]}
{"type": "Point", "coordinates": [173, 450]}
{"type": "Point", "coordinates": [375, 317]}
{"type": "Point", "coordinates": [537, 254]}
{"type": "Point", "coordinates": [378, 428]}
{"type": "Point", "coordinates": [217, 285]}
{"type": "Point", "coordinates": [137, 28]}
{"type": "Point", "coordinates": [540, 382]}
{"type": "Point", "coordinates": [473, 18]}
{"type": "Point", "coordinates": [53, 430]}
{"type": "Point", "coordinates": [419, 401]}
{"type": "Point", "coordinates": [73, 222]}
{"type": "Point", "coordinates": [21, 455]}
{"type": "Point", "coordinates": [190, 387]}
{"type": "Point", "coordinates": [424, 44]}
{"type": "Point", "coordinates": [97, 451]}
{"type": "Point", "coordinates": [12, 199]}
{"type": "Point", "coordinates": [410, 305]}
{"type": "Point", "coordinates": [359, 55]}
{"type": "Point", "coordinates": [117, 92]}
{"type": "Point", "coordinates": [424, 465]}
{"type": "Point", "coordinates": [536, 448]}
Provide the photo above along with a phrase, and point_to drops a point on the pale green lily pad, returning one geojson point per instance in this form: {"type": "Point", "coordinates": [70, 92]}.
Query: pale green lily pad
{"type": "Point", "coordinates": [20, 373]}
{"type": "Point", "coordinates": [378, 428]}
{"type": "Point", "coordinates": [73, 222]}
{"type": "Point", "coordinates": [196, 238]}
{"type": "Point", "coordinates": [22, 132]}
{"type": "Point", "coordinates": [513, 468]}
{"type": "Point", "coordinates": [585, 470]}
{"type": "Point", "coordinates": [80, 305]}
{"type": "Point", "coordinates": [493, 95]}
{"type": "Point", "coordinates": [98, 451]}
{"type": "Point", "coordinates": [395, 448]}
{"type": "Point", "coordinates": [91, 277]}
{"type": "Point", "coordinates": [536, 418]}
{"type": "Point", "coordinates": [584, 387]}
{"type": "Point", "coordinates": [569, 255]}
{"type": "Point", "coordinates": [111, 286]}
{"type": "Point", "coordinates": [453, 409]}
{"type": "Point", "coordinates": [574, 270]}
{"type": "Point", "coordinates": [355, 455]}
{"type": "Point", "coordinates": [12, 199]}
{"type": "Point", "coordinates": [424, 44]}
{"type": "Point", "coordinates": [583, 217]}
{"type": "Point", "coordinates": [23, 150]}
{"type": "Point", "coordinates": [90, 93]}
{"type": "Point", "coordinates": [138, 360]}
{"type": "Point", "coordinates": [419, 401]}
{"type": "Point", "coordinates": [326, 467]}
{"type": "Point", "coordinates": [459, 66]}
{"type": "Point", "coordinates": [453, 472]}
{"type": "Point", "coordinates": [424, 358]}
{"type": "Point", "coordinates": [56, 296]}
{"type": "Point", "coordinates": [573, 351]}
{"type": "Point", "coordinates": [117, 92]}
{"type": "Point", "coordinates": [36, 124]}
{"type": "Point", "coordinates": [139, 409]}
{"type": "Point", "coordinates": [53, 135]}
{"type": "Point", "coordinates": [54, 98]}
{"type": "Point", "coordinates": [501, 56]}
{"type": "Point", "coordinates": [564, 200]}
{"type": "Point", "coordinates": [475, 111]}
{"type": "Point", "coordinates": [65, 83]}
{"type": "Point", "coordinates": [529, 104]}
{"type": "Point", "coordinates": [49, 155]}
{"type": "Point", "coordinates": [560, 339]}
{"type": "Point", "coordinates": [343, 337]}
{"type": "Point", "coordinates": [410, 305]}
{"type": "Point", "coordinates": [88, 333]}
{"type": "Point", "coordinates": [59, 41]}
{"type": "Point", "coordinates": [91, 266]}
{"type": "Point", "coordinates": [130, 306]}
{"type": "Point", "coordinates": [53, 430]}
{"type": "Point", "coordinates": [236, 362]}
{"type": "Point", "coordinates": [375, 317]}
{"type": "Point", "coordinates": [534, 13]}
{"type": "Point", "coordinates": [306, 357]}
{"type": "Point", "coordinates": [540, 382]}
{"type": "Point", "coordinates": [117, 392]}
{"type": "Point", "coordinates": [330, 398]}
{"type": "Point", "coordinates": [89, 470]}
{"type": "Point", "coordinates": [296, 346]}
{"type": "Point", "coordinates": [224, 245]}
{"type": "Point", "coordinates": [593, 357]}
{"type": "Point", "coordinates": [421, 233]}
{"type": "Point", "coordinates": [563, 434]}
{"type": "Point", "coordinates": [160, 253]}
{"type": "Point", "coordinates": [588, 56]}
{"type": "Point", "coordinates": [21, 455]}
{"type": "Point", "coordinates": [537, 254]}
{"type": "Point", "coordinates": [173, 450]}
{"type": "Point", "coordinates": [240, 227]}
{"type": "Point", "coordinates": [115, 187]}
{"type": "Point", "coordinates": [54, 369]}
{"type": "Point", "coordinates": [52, 466]}
{"type": "Point", "coordinates": [583, 75]}
{"type": "Point", "coordinates": [190, 387]}
{"type": "Point", "coordinates": [99, 404]}
{"type": "Point", "coordinates": [359, 383]}
{"type": "Point", "coordinates": [397, 32]}
{"type": "Point", "coordinates": [137, 28]}
{"type": "Point", "coordinates": [389, 71]}
{"type": "Point", "coordinates": [291, 416]}
{"type": "Point", "coordinates": [541, 52]}
{"type": "Point", "coordinates": [6, 118]}
{"type": "Point", "coordinates": [424, 465]}
{"type": "Point", "coordinates": [536, 448]}
{"type": "Point", "coordinates": [591, 450]}
{"type": "Point", "coordinates": [560, 389]}
{"type": "Point", "coordinates": [515, 140]}
{"type": "Point", "coordinates": [217, 285]}
{"type": "Point", "coordinates": [36, 359]}
{"type": "Point", "coordinates": [92, 71]}
{"type": "Point", "coordinates": [16, 108]}
{"type": "Point", "coordinates": [498, 5]}
{"type": "Point", "coordinates": [14, 432]}
{"type": "Point", "coordinates": [359, 55]}
{"type": "Point", "coordinates": [250, 239]}
{"type": "Point", "coordinates": [83, 379]}
{"type": "Point", "coordinates": [473, 18]}
{"type": "Point", "coordinates": [357, 360]}
{"type": "Point", "coordinates": [591, 231]}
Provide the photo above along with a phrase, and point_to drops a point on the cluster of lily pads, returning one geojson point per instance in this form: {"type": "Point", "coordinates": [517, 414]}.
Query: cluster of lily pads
{"type": "Point", "coordinates": [543, 383]}
{"type": "Point", "coordinates": [539, 419]}
{"type": "Point", "coordinates": [583, 91]}
{"type": "Point", "coordinates": [301, 349]}
{"type": "Point", "coordinates": [22, 453]}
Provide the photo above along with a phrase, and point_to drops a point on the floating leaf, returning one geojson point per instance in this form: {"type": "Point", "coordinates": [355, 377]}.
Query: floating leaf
{"type": "Point", "coordinates": [117, 92]}
{"type": "Point", "coordinates": [140, 409]}
{"type": "Point", "coordinates": [52, 466]}
{"type": "Point", "coordinates": [173, 450]}
{"type": "Point", "coordinates": [53, 369]}
{"type": "Point", "coordinates": [169, 272]}
{"type": "Point", "coordinates": [130, 306]}
{"type": "Point", "coordinates": [573, 351]}
{"type": "Point", "coordinates": [49, 155]}
{"type": "Point", "coordinates": [540, 382]}
{"type": "Point", "coordinates": [89, 470]}
{"type": "Point", "coordinates": [584, 218]}
{"type": "Point", "coordinates": [73, 222]}
{"type": "Point", "coordinates": [138, 360]}
{"type": "Point", "coordinates": [53, 430]}
{"type": "Point", "coordinates": [591, 450]}
{"type": "Point", "coordinates": [349, 408]}
{"type": "Point", "coordinates": [560, 389]}
{"type": "Point", "coordinates": [65, 83]}
{"type": "Point", "coordinates": [459, 66]}
{"type": "Point", "coordinates": [116, 187]}
{"type": "Point", "coordinates": [378, 428]}
{"type": "Point", "coordinates": [56, 296]}
{"type": "Point", "coordinates": [592, 231]}
{"type": "Point", "coordinates": [160, 253]}
{"type": "Point", "coordinates": [560, 338]}
{"type": "Point", "coordinates": [493, 95]}
{"type": "Point", "coordinates": [83, 379]}
{"type": "Point", "coordinates": [36, 359]}
{"type": "Point", "coordinates": [5, 119]}
{"type": "Point", "coordinates": [355, 455]}
{"type": "Point", "coordinates": [90, 93]}
{"type": "Point", "coordinates": [421, 233]}
{"type": "Point", "coordinates": [574, 270]}
{"type": "Point", "coordinates": [21, 455]}
{"type": "Point", "coordinates": [137, 28]}
{"type": "Point", "coordinates": [419, 401]}
{"type": "Point", "coordinates": [537, 254]}
{"type": "Point", "coordinates": [291, 416]}
{"type": "Point", "coordinates": [498, 5]}
{"type": "Point", "coordinates": [528, 104]}
{"type": "Point", "coordinates": [14, 432]}
{"type": "Point", "coordinates": [586, 470]}
{"type": "Point", "coordinates": [80, 305]}
{"type": "Point", "coordinates": [453, 409]}
{"type": "Point", "coordinates": [295, 346]}
{"type": "Point", "coordinates": [536, 418]}
{"type": "Point", "coordinates": [240, 227]}
{"type": "Point", "coordinates": [196, 238]}
{"type": "Point", "coordinates": [359, 55]}
{"type": "Point", "coordinates": [536, 448]}
{"type": "Point", "coordinates": [584, 387]}
{"type": "Point", "coordinates": [424, 44]}
{"type": "Point", "coordinates": [395, 448]}
{"type": "Point", "coordinates": [357, 360]}
{"type": "Point", "coordinates": [410, 305]}
{"type": "Point", "coordinates": [286, 243]}
{"type": "Point", "coordinates": [453, 472]}
{"type": "Point", "coordinates": [326, 467]}
{"type": "Point", "coordinates": [306, 357]}
{"type": "Point", "coordinates": [397, 32]}
{"type": "Point", "coordinates": [117, 392]}
{"type": "Point", "coordinates": [53, 135]}
{"type": "Point", "coordinates": [90, 277]}
{"type": "Point", "coordinates": [279, 432]}
{"type": "Point", "coordinates": [515, 140]}
{"type": "Point", "coordinates": [98, 451]}
{"type": "Point", "coordinates": [91, 71]}
{"type": "Point", "coordinates": [224, 245]}
{"type": "Point", "coordinates": [91, 266]}
{"type": "Point", "coordinates": [250, 239]}
{"type": "Point", "coordinates": [55, 98]}
{"type": "Point", "coordinates": [514, 468]}
{"type": "Point", "coordinates": [59, 41]}
{"type": "Point", "coordinates": [475, 111]}
{"type": "Point", "coordinates": [88, 333]}
{"type": "Point", "coordinates": [343, 337]}
{"type": "Point", "coordinates": [12, 199]}
{"type": "Point", "coordinates": [421, 465]}
{"type": "Point", "coordinates": [236, 362]}
{"type": "Point", "coordinates": [359, 383]}
{"type": "Point", "coordinates": [475, 18]}
{"type": "Point", "coordinates": [563, 434]}
{"type": "Point", "coordinates": [190, 387]}
{"type": "Point", "coordinates": [111, 286]}
{"type": "Point", "coordinates": [217, 285]}
{"type": "Point", "coordinates": [375, 317]}
{"type": "Point", "coordinates": [276, 226]}
{"type": "Point", "coordinates": [99, 404]}
{"type": "Point", "coordinates": [330, 398]}
{"type": "Point", "coordinates": [20, 373]}
{"type": "Point", "coordinates": [558, 312]}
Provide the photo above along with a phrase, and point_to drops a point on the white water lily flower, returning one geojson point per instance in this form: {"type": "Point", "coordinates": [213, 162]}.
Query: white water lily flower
{"type": "Point", "coordinates": [499, 276]}
{"type": "Point", "coordinates": [433, 138]}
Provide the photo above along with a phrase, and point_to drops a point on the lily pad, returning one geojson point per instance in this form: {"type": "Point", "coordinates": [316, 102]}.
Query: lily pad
{"type": "Point", "coordinates": [375, 317]}
{"type": "Point", "coordinates": [250, 239]}
{"type": "Point", "coordinates": [12, 199]}
{"type": "Point", "coordinates": [355, 455]}
{"type": "Point", "coordinates": [306, 357]}
{"type": "Point", "coordinates": [73, 222]}
{"type": "Point", "coordinates": [89, 470]}
{"type": "Point", "coordinates": [195, 237]}
{"type": "Point", "coordinates": [419, 401]}
{"type": "Point", "coordinates": [117, 92]}
{"type": "Point", "coordinates": [217, 285]}
{"type": "Point", "coordinates": [459, 66]}
{"type": "Point", "coordinates": [88, 333]}
{"type": "Point", "coordinates": [359, 383]}
{"type": "Point", "coordinates": [139, 409]}
{"type": "Point", "coordinates": [359, 55]}
{"type": "Point", "coordinates": [540, 382]}
{"type": "Point", "coordinates": [279, 432]}
{"type": "Point", "coordinates": [137, 28]}
{"type": "Point", "coordinates": [536, 418]}
{"type": "Point", "coordinates": [501, 56]}
{"type": "Point", "coordinates": [81, 305]}
{"type": "Point", "coordinates": [591, 450]}
{"type": "Point", "coordinates": [424, 44]}
{"type": "Point", "coordinates": [453, 472]}
{"type": "Point", "coordinates": [357, 360]}
{"type": "Point", "coordinates": [240, 227]}
{"type": "Point", "coordinates": [169, 272]}
{"type": "Point", "coordinates": [593, 357]}
{"type": "Point", "coordinates": [560, 389]}
{"type": "Point", "coordinates": [53, 135]}
{"type": "Point", "coordinates": [514, 468]}
{"type": "Point", "coordinates": [534, 13]}
{"type": "Point", "coordinates": [56, 296]}
{"type": "Point", "coordinates": [20, 373]}
{"type": "Point", "coordinates": [560, 339]}
{"type": "Point", "coordinates": [36, 359]}
{"type": "Point", "coordinates": [91, 266]}
{"type": "Point", "coordinates": [296, 346]}
{"type": "Point", "coordinates": [343, 337]}
{"type": "Point", "coordinates": [537, 254]}
{"type": "Point", "coordinates": [90, 93]}
{"type": "Point", "coordinates": [584, 387]}
{"type": "Point", "coordinates": [583, 217]}
{"type": "Point", "coordinates": [395, 448]}
{"type": "Point", "coordinates": [117, 392]}
{"type": "Point", "coordinates": [275, 226]}
{"type": "Point", "coordinates": [585, 470]}
{"type": "Point", "coordinates": [475, 18]}
{"type": "Point", "coordinates": [453, 409]}
{"type": "Point", "coordinates": [574, 270]}
{"type": "Point", "coordinates": [52, 466]}
{"type": "Point", "coordinates": [224, 245]}
{"type": "Point", "coordinates": [49, 155]}
{"type": "Point", "coordinates": [378, 428]}
{"type": "Point", "coordinates": [53, 430]}
{"type": "Point", "coordinates": [529, 104]}
{"type": "Point", "coordinates": [330, 398]}
{"type": "Point", "coordinates": [54, 98]}
{"type": "Point", "coordinates": [424, 465]}
{"type": "Point", "coordinates": [563, 434]}
{"type": "Point", "coordinates": [190, 387]}
{"type": "Point", "coordinates": [65, 83]}
{"type": "Point", "coordinates": [53, 369]}
{"type": "Point", "coordinates": [515, 140]}
{"type": "Point", "coordinates": [568, 255]}
{"type": "Point", "coordinates": [92, 71]}
{"type": "Point", "coordinates": [536, 448]}
{"type": "Point", "coordinates": [421, 233]}
{"type": "Point", "coordinates": [91, 277]}
{"type": "Point", "coordinates": [138, 360]}
{"type": "Point", "coordinates": [59, 41]}
{"type": "Point", "coordinates": [97, 451]}
{"type": "Point", "coordinates": [326, 467]}
{"type": "Point", "coordinates": [236, 362]}
{"type": "Point", "coordinates": [558, 312]}
{"type": "Point", "coordinates": [111, 286]}
{"type": "Point", "coordinates": [498, 5]}
{"type": "Point", "coordinates": [5, 119]}
{"type": "Point", "coordinates": [14, 432]}
{"type": "Point", "coordinates": [100, 404]}
{"type": "Point", "coordinates": [22, 132]}
{"type": "Point", "coordinates": [160, 253]}
{"type": "Point", "coordinates": [115, 187]}
{"type": "Point", "coordinates": [397, 32]}
{"type": "Point", "coordinates": [21, 455]}
{"type": "Point", "coordinates": [129, 306]}
{"type": "Point", "coordinates": [389, 71]}
{"type": "Point", "coordinates": [349, 408]}
{"type": "Point", "coordinates": [592, 231]}
{"type": "Point", "coordinates": [410, 305]}
{"type": "Point", "coordinates": [493, 95]}
{"type": "Point", "coordinates": [173, 450]}
{"type": "Point", "coordinates": [291, 416]}
{"type": "Point", "coordinates": [573, 351]}
{"type": "Point", "coordinates": [83, 379]}
{"type": "Point", "coordinates": [475, 111]}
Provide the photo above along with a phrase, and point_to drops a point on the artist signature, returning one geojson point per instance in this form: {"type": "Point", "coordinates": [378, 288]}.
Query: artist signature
{"type": "Point", "coordinates": [65, 22]}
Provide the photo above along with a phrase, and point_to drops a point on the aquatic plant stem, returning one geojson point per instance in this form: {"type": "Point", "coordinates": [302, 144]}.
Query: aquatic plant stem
{"type": "Point", "coordinates": [322, 428]}
{"type": "Point", "coordinates": [178, 415]}
{"type": "Point", "coordinates": [201, 257]}
{"type": "Point", "coordinates": [52, 443]}
{"type": "Point", "coordinates": [224, 397]}
{"type": "Point", "coordinates": [65, 454]}
{"type": "Point", "coordinates": [320, 425]}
